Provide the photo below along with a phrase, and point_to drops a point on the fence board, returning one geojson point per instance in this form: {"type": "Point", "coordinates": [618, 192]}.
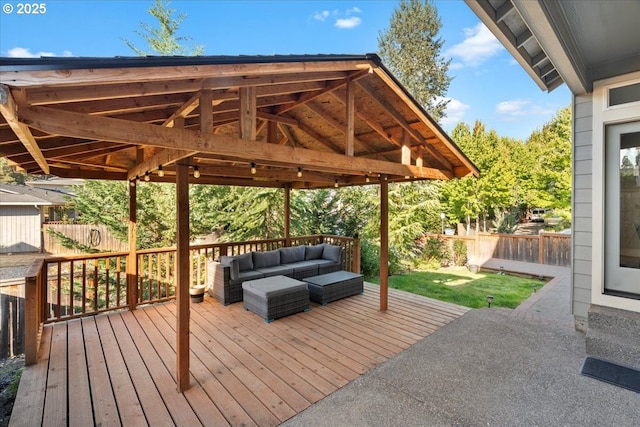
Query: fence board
{"type": "Point", "coordinates": [97, 237]}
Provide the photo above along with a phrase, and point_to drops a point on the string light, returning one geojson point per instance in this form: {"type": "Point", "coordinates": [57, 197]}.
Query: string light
{"type": "Point", "coordinates": [132, 183]}
{"type": "Point", "coordinates": [367, 179]}
{"type": "Point", "coordinates": [160, 171]}
{"type": "Point", "coordinates": [336, 184]}
{"type": "Point", "coordinates": [253, 168]}
{"type": "Point", "coordinates": [196, 172]}
{"type": "Point", "coordinates": [146, 176]}
{"type": "Point", "coordinates": [299, 172]}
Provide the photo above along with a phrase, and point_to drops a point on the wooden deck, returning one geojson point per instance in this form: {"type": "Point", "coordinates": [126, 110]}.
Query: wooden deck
{"type": "Point", "coordinates": [119, 368]}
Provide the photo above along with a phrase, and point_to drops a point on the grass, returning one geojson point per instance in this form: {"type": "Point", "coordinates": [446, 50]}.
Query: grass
{"type": "Point", "coordinates": [459, 286]}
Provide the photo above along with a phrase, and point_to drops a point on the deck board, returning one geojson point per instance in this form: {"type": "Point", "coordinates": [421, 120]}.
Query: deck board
{"type": "Point", "coordinates": [119, 368]}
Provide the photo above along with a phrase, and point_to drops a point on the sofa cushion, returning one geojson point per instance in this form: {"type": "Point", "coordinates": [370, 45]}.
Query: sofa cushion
{"type": "Point", "coordinates": [332, 253]}
{"type": "Point", "coordinates": [289, 255]}
{"type": "Point", "coordinates": [313, 252]}
{"type": "Point", "coordinates": [277, 270]}
{"type": "Point", "coordinates": [233, 263]}
{"type": "Point", "coordinates": [245, 261]}
{"type": "Point", "coordinates": [246, 275]}
{"type": "Point", "coordinates": [266, 259]}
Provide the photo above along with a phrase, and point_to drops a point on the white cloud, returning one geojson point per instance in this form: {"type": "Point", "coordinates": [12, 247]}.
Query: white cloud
{"type": "Point", "coordinates": [347, 23]}
{"type": "Point", "coordinates": [454, 112]}
{"type": "Point", "coordinates": [517, 108]}
{"type": "Point", "coordinates": [321, 16]}
{"type": "Point", "coordinates": [21, 52]}
{"type": "Point", "coordinates": [478, 46]}
{"type": "Point", "coordinates": [354, 10]}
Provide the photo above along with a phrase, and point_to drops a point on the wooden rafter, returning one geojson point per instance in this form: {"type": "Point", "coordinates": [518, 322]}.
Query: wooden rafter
{"type": "Point", "coordinates": [84, 126]}
{"type": "Point", "coordinates": [403, 123]}
{"type": "Point", "coordinates": [9, 110]}
{"type": "Point", "coordinates": [336, 124]}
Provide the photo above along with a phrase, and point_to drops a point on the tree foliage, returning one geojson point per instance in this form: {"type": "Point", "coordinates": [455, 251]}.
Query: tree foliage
{"type": "Point", "coordinates": [411, 47]}
{"type": "Point", "coordinates": [164, 38]}
{"type": "Point", "coordinates": [514, 176]}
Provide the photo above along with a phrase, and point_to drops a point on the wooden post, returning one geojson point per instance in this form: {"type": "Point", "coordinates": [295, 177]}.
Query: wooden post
{"type": "Point", "coordinates": [287, 215]}
{"type": "Point", "coordinates": [406, 148]}
{"type": "Point", "coordinates": [32, 311]}
{"type": "Point", "coordinates": [384, 243]}
{"type": "Point", "coordinates": [356, 256]}
{"type": "Point", "coordinates": [248, 112]}
{"type": "Point", "coordinates": [541, 247]}
{"type": "Point", "coordinates": [132, 258]}
{"type": "Point", "coordinates": [182, 276]}
{"type": "Point", "coordinates": [351, 109]}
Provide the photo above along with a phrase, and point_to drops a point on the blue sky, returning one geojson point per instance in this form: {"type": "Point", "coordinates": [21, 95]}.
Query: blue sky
{"type": "Point", "coordinates": [488, 85]}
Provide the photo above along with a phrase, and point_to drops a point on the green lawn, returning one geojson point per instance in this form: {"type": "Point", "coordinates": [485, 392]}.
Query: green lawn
{"type": "Point", "coordinates": [459, 286]}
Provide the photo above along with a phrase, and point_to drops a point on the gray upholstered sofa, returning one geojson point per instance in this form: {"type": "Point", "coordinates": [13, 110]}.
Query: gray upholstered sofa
{"type": "Point", "coordinates": [227, 274]}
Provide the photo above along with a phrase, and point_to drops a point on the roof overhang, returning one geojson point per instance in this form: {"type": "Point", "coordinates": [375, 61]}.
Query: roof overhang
{"type": "Point", "coordinates": [329, 118]}
{"type": "Point", "coordinates": [572, 41]}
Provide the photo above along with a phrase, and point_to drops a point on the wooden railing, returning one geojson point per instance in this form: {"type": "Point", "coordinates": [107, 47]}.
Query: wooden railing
{"type": "Point", "coordinates": [63, 288]}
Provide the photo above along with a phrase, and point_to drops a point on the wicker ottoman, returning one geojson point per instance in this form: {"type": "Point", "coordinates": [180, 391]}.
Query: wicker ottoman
{"type": "Point", "coordinates": [332, 286]}
{"type": "Point", "coordinates": [275, 297]}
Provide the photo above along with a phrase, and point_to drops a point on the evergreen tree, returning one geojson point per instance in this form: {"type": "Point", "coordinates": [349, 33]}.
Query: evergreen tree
{"type": "Point", "coordinates": [411, 47]}
{"type": "Point", "coordinates": [164, 39]}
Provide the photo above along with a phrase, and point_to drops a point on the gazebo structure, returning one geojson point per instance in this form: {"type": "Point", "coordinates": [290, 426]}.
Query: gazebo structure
{"type": "Point", "coordinates": [291, 122]}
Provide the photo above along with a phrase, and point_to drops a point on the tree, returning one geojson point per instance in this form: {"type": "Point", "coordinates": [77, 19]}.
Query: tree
{"type": "Point", "coordinates": [164, 40]}
{"type": "Point", "coordinates": [410, 48]}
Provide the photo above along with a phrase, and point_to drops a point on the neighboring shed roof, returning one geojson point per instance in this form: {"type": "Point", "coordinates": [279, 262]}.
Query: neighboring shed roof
{"type": "Point", "coordinates": [329, 118]}
{"type": "Point", "coordinates": [15, 195]}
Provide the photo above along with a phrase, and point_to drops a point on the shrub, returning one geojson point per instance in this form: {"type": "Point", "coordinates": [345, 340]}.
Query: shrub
{"type": "Point", "coordinates": [369, 259]}
{"type": "Point", "coordinates": [436, 252]}
{"type": "Point", "coordinates": [459, 252]}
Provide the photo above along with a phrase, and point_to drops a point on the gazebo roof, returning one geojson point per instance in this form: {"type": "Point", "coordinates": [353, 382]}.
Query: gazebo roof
{"type": "Point", "coordinates": [335, 118]}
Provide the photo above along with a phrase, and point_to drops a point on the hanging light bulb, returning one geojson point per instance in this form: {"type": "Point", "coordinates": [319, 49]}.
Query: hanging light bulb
{"type": "Point", "coordinates": [253, 168]}
{"type": "Point", "coordinates": [132, 183]}
{"type": "Point", "coordinates": [367, 179]}
{"type": "Point", "coordinates": [196, 172]}
{"type": "Point", "coordinates": [160, 171]}
{"type": "Point", "coordinates": [146, 176]}
{"type": "Point", "coordinates": [336, 184]}
{"type": "Point", "coordinates": [299, 172]}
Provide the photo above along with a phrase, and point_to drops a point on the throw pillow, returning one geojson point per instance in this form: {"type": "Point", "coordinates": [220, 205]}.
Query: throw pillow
{"type": "Point", "coordinates": [332, 253]}
{"type": "Point", "coordinates": [313, 252]}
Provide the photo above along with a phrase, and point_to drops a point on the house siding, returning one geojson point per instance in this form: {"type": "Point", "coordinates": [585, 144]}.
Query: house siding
{"type": "Point", "coordinates": [582, 204]}
{"type": "Point", "coordinates": [20, 229]}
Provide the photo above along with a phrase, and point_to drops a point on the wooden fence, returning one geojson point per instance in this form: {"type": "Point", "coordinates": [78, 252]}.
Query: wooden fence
{"type": "Point", "coordinates": [12, 318]}
{"type": "Point", "coordinates": [96, 237]}
{"type": "Point", "coordinates": [545, 248]}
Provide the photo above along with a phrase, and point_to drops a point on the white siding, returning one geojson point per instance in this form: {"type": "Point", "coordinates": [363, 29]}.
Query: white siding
{"type": "Point", "coordinates": [582, 198]}
{"type": "Point", "coordinates": [19, 229]}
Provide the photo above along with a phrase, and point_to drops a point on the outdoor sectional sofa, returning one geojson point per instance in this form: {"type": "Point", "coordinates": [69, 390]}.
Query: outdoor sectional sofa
{"type": "Point", "coordinates": [297, 262]}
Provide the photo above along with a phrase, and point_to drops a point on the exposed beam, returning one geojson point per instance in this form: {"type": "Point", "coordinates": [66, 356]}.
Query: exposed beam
{"type": "Point", "coordinates": [277, 118]}
{"type": "Point", "coordinates": [9, 110]}
{"type": "Point", "coordinates": [403, 123]}
{"type": "Point", "coordinates": [336, 124]}
{"type": "Point", "coordinates": [109, 129]}
{"type": "Point", "coordinates": [48, 95]}
{"type": "Point", "coordinates": [330, 87]}
{"type": "Point", "coordinates": [287, 133]}
{"type": "Point", "coordinates": [176, 72]}
{"type": "Point", "coordinates": [384, 244]}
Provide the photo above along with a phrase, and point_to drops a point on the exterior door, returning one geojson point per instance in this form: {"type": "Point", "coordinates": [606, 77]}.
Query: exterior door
{"type": "Point", "coordinates": [622, 209]}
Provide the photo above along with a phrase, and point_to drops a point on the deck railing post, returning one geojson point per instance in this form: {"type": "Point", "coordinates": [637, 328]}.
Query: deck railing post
{"type": "Point", "coordinates": [32, 311]}
{"type": "Point", "coordinates": [541, 247]}
{"type": "Point", "coordinates": [356, 256]}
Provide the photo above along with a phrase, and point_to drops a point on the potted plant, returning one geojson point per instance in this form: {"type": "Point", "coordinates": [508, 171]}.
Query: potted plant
{"type": "Point", "coordinates": [197, 293]}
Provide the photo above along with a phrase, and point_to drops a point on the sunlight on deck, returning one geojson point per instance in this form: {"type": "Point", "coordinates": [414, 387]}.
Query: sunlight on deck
{"type": "Point", "coordinates": [119, 368]}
